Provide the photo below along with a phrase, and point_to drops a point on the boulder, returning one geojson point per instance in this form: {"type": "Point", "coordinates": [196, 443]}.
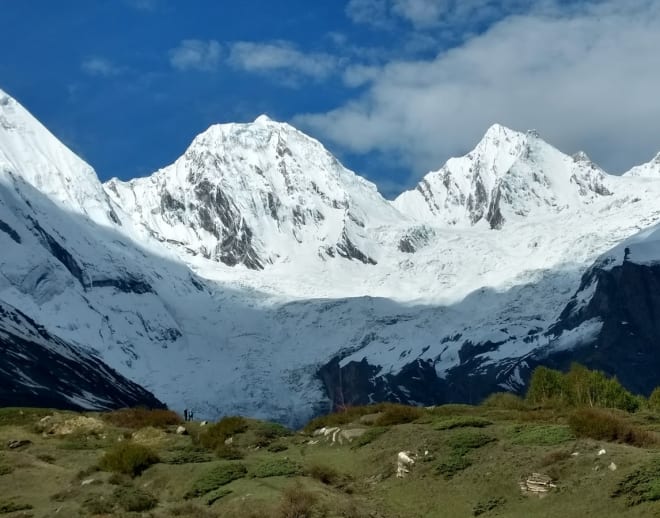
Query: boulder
{"type": "Point", "coordinates": [181, 430]}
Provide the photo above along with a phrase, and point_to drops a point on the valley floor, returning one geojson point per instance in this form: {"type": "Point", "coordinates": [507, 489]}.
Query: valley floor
{"type": "Point", "coordinates": [468, 461]}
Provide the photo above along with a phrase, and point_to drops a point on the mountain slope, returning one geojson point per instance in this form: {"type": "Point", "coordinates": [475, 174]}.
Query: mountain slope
{"type": "Point", "coordinates": [508, 175]}
{"type": "Point", "coordinates": [39, 369]}
{"type": "Point", "coordinates": [255, 194]}
{"type": "Point", "coordinates": [258, 276]}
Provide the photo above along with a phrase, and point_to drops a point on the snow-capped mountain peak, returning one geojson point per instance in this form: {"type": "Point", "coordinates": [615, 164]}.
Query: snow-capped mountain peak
{"type": "Point", "coordinates": [31, 153]}
{"type": "Point", "coordinates": [508, 175]}
{"type": "Point", "coordinates": [649, 170]}
{"type": "Point", "coordinates": [253, 193]}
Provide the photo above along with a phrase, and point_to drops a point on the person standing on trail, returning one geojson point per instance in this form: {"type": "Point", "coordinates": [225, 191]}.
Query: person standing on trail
{"type": "Point", "coordinates": [185, 414]}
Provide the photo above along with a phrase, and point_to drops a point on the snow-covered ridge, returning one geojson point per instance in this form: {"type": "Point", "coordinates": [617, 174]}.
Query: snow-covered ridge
{"type": "Point", "coordinates": [255, 194]}
{"type": "Point", "coordinates": [508, 175]}
{"type": "Point", "coordinates": [29, 150]}
{"type": "Point", "coordinates": [256, 259]}
{"type": "Point", "coordinates": [649, 170]}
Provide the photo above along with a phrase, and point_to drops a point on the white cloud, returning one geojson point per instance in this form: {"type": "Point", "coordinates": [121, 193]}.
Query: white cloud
{"type": "Point", "coordinates": [420, 12]}
{"type": "Point", "coordinates": [586, 79]}
{"type": "Point", "coordinates": [283, 58]}
{"type": "Point", "coordinates": [457, 15]}
{"type": "Point", "coordinates": [196, 55]}
{"type": "Point", "coordinates": [98, 66]}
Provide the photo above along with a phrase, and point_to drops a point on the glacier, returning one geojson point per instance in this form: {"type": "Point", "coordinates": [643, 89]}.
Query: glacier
{"type": "Point", "coordinates": [257, 275]}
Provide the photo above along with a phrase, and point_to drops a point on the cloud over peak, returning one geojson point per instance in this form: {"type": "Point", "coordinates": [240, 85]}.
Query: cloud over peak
{"type": "Point", "coordinates": [196, 55]}
{"type": "Point", "coordinates": [585, 76]}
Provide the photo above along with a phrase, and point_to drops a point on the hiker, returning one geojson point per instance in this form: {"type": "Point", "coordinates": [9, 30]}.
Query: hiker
{"type": "Point", "coordinates": [190, 415]}
{"type": "Point", "coordinates": [185, 414]}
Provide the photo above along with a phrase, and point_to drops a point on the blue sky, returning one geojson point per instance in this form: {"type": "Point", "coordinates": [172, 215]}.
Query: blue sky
{"type": "Point", "coordinates": [393, 87]}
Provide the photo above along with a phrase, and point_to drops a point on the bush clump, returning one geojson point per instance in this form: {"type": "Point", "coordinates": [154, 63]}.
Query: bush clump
{"type": "Point", "coordinates": [128, 458]}
{"type": "Point", "coordinates": [136, 418]}
{"type": "Point", "coordinates": [325, 474]}
{"type": "Point", "coordinates": [274, 468]}
{"type": "Point", "coordinates": [642, 485]}
{"type": "Point", "coordinates": [215, 435]}
{"type": "Point", "coordinates": [98, 504]}
{"type": "Point", "coordinates": [215, 495]}
{"type": "Point", "coordinates": [454, 464]}
{"type": "Point", "coordinates": [297, 502]}
{"type": "Point", "coordinates": [134, 500]}
{"type": "Point", "coordinates": [399, 414]}
{"type": "Point", "coordinates": [462, 422]}
{"type": "Point", "coordinates": [216, 477]}
{"type": "Point", "coordinates": [541, 435]}
{"type": "Point", "coordinates": [604, 425]}
{"type": "Point", "coordinates": [579, 387]}
{"type": "Point", "coordinates": [369, 436]}
{"type": "Point", "coordinates": [467, 440]}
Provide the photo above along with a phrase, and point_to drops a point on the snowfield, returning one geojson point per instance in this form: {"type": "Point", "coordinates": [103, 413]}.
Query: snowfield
{"type": "Point", "coordinates": [224, 281]}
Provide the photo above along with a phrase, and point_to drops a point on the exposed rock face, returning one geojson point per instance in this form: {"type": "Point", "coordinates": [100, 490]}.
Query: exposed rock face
{"type": "Point", "coordinates": [256, 194]}
{"type": "Point", "coordinates": [39, 369]}
{"type": "Point", "coordinates": [507, 176]}
{"type": "Point", "coordinates": [359, 383]}
{"type": "Point", "coordinates": [626, 300]}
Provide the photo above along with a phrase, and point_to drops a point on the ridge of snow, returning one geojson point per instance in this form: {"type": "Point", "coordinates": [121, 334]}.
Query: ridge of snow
{"type": "Point", "coordinates": [29, 150]}
{"type": "Point", "coordinates": [264, 184]}
{"type": "Point", "coordinates": [508, 175]}
{"type": "Point", "coordinates": [648, 170]}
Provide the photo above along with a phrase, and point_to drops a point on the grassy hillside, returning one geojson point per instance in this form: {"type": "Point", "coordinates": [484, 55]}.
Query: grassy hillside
{"type": "Point", "coordinates": [470, 461]}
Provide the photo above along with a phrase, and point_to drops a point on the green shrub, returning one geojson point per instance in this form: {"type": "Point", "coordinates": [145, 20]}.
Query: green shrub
{"type": "Point", "coordinates": [579, 387]}
{"type": "Point", "coordinates": [462, 422]}
{"type": "Point", "coordinates": [454, 464]}
{"type": "Point", "coordinates": [98, 504]}
{"type": "Point", "coordinates": [642, 485]}
{"type": "Point", "coordinates": [487, 506]}
{"type": "Point", "coordinates": [505, 401]}
{"type": "Point", "coordinates": [325, 474]}
{"type": "Point", "coordinates": [541, 435]}
{"type": "Point", "coordinates": [187, 457]}
{"type": "Point", "coordinates": [228, 452]}
{"type": "Point", "coordinates": [399, 414]}
{"type": "Point", "coordinates": [277, 447]}
{"type": "Point", "coordinates": [369, 436]}
{"type": "Point", "coordinates": [128, 458]}
{"type": "Point", "coordinates": [134, 500]}
{"type": "Point", "coordinates": [5, 469]}
{"type": "Point", "coordinates": [136, 418]}
{"type": "Point", "coordinates": [297, 502]}
{"type": "Point", "coordinates": [270, 431]}
{"type": "Point", "coordinates": [604, 425]}
{"type": "Point", "coordinates": [274, 468]}
{"type": "Point", "coordinates": [212, 497]}
{"type": "Point", "coordinates": [214, 436]}
{"type": "Point", "coordinates": [216, 477]}
{"type": "Point", "coordinates": [654, 400]}
{"type": "Point", "coordinates": [468, 440]}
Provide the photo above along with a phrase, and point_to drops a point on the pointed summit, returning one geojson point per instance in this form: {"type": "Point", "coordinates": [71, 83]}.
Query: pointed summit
{"type": "Point", "coordinates": [508, 175]}
{"type": "Point", "coordinates": [263, 119]}
{"type": "Point", "coordinates": [31, 153]}
{"type": "Point", "coordinates": [257, 193]}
